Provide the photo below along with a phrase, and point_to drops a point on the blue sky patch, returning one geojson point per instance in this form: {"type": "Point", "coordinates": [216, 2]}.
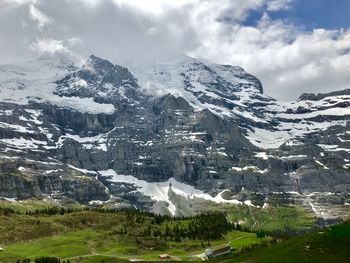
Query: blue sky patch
{"type": "Point", "coordinates": [310, 14]}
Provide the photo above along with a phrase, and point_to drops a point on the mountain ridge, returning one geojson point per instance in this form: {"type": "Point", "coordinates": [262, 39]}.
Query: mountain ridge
{"type": "Point", "coordinates": [79, 132]}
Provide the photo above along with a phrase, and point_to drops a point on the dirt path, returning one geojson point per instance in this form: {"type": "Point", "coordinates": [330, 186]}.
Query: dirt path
{"type": "Point", "coordinates": [238, 238]}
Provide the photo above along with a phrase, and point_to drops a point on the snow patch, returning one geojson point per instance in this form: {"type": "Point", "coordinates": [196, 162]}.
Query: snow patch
{"type": "Point", "coordinates": [158, 191]}
{"type": "Point", "coordinates": [249, 168]}
{"type": "Point", "coordinates": [22, 143]}
{"type": "Point", "coordinates": [21, 169]}
{"type": "Point", "coordinates": [322, 165]}
{"type": "Point", "coordinates": [262, 155]}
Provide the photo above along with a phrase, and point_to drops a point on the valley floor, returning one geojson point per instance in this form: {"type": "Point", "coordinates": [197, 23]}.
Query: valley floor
{"type": "Point", "coordinates": [90, 236]}
{"type": "Point", "coordinates": [94, 236]}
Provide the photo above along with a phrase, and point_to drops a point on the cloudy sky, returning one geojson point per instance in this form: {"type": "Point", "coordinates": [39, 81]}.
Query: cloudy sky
{"type": "Point", "coordinates": [293, 46]}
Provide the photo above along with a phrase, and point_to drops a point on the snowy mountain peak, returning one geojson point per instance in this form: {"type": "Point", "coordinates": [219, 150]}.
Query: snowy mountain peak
{"type": "Point", "coordinates": [99, 65]}
{"type": "Point", "coordinates": [100, 131]}
{"type": "Point", "coordinates": [187, 71]}
{"type": "Point", "coordinates": [320, 96]}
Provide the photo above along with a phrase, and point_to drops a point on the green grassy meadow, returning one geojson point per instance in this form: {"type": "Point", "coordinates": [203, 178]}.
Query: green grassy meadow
{"type": "Point", "coordinates": [97, 236]}
{"type": "Point", "coordinates": [330, 245]}
{"type": "Point", "coordinates": [88, 236]}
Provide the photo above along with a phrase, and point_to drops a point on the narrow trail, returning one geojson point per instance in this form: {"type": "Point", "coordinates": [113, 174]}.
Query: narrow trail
{"type": "Point", "coordinates": [238, 238]}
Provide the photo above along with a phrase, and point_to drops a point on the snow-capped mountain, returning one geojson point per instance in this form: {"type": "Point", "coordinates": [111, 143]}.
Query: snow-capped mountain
{"type": "Point", "coordinates": [157, 136]}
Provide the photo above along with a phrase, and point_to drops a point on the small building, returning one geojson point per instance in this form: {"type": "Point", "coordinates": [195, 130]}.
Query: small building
{"type": "Point", "coordinates": [218, 251]}
{"type": "Point", "coordinates": [164, 256]}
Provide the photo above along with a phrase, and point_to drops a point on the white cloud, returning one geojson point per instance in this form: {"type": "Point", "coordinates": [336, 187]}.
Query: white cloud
{"type": "Point", "coordinates": [275, 5]}
{"type": "Point", "coordinates": [155, 6]}
{"type": "Point", "coordinates": [148, 6]}
{"type": "Point", "coordinates": [288, 60]}
{"type": "Point", "coordinates": [38, 16]}
{"type": "Point", "coordinates": [50, 46]}
{"type": "Point", "coordinates": [20, 2]}
{"type": "Point", "coordinates": [74, 41]}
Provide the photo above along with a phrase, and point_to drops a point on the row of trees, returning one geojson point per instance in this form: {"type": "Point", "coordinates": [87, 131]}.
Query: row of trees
{"type": "Point", "coordinates": [7, 211]}
{"type": "Point", "coordinates": [52, 210]}
{"type": "Point", "coordinates": [202, 227]}
{"type": "Point", "coordinates": [43, 260]}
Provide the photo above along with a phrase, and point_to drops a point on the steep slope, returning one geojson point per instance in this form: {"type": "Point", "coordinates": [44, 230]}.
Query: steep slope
{"type": "Point", "coordinates": [103, 133]}
{"type": "Point", "coordinates": [328, 245]}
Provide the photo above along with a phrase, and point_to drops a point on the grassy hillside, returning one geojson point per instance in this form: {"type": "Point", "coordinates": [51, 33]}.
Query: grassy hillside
{"type": "Point", "coordinates": [96, 236]}
{"type": "Point", "coordinates": [271, 218]}
{"type": "Point", "coordinates": [88, 236]}
{"type": "Point", "coordinates": [331, 245]}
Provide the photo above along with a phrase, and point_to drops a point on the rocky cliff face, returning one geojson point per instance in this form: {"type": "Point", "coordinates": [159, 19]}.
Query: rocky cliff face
{"type": "Point", "coordinates": [144, 135]}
